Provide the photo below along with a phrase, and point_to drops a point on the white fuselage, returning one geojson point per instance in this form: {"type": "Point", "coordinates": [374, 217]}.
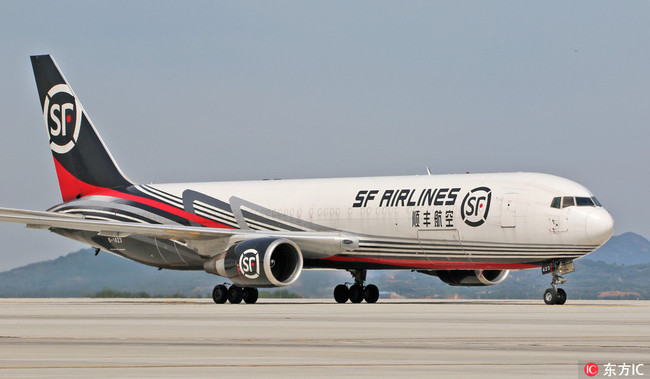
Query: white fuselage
{"type": "Point", "coordinates": [468, 221]}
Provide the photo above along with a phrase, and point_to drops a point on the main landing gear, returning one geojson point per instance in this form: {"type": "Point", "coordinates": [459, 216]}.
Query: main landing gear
{"type": "Point", "coordinates": [234, 294]}
{"type": "Point", "coordinates": [357, 292]}
{"type": "Point", "coordinates": [555, 295]}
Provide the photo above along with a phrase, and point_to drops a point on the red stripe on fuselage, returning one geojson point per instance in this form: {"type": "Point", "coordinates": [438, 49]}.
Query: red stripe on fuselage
{"type": "Point", "coordinates": [72, 188]}
{"type": "Point", "coordinates": [435, 265]}
{"type": "Point", "coordinates": [161, 206]}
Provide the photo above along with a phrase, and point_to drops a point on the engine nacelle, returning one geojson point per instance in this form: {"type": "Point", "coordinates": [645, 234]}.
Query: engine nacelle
{"type": "Point", "coordinates": [262, 262]}
{"type": "Point", "coordinates": [472, 278]}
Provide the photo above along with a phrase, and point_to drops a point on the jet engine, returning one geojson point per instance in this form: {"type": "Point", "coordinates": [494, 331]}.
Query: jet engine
{"type": "Point", "coordinates": [470, 278]}
{"type": "Point", "coordinates": [262, 262]}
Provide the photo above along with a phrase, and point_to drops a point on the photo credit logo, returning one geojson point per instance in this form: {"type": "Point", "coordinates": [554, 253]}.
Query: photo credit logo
{"type": "Point", "coordinates": [591, 369]}
{"type": "Point", "coordinates": [609, 369]}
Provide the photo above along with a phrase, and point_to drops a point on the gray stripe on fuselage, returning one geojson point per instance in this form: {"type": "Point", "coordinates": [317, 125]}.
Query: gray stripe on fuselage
{"type": "Point", "coordinates": [104, 202]}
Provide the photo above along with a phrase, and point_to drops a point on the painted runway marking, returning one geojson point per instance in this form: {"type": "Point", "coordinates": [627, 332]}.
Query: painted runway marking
{"type": "Point", "coordinates": [291, 365]}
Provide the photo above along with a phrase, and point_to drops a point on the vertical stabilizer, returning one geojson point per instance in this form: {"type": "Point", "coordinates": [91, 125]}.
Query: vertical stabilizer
{"type": "Point", "coordinates": [83, 163]}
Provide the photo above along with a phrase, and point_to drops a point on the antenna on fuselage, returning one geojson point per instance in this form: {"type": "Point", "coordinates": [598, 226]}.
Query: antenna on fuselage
{"type": "Point", "coordinates": [429, 171]}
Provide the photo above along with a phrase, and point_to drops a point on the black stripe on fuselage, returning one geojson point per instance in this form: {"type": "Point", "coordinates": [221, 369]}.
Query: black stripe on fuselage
{"type": "Point", "coordinates": [472, 246]}
{"type": "Point", "coordinates": [166, 195]}
{"type": "Point", "coordinates": [123, 214]}
{"type": "Point", "coordinates": [214, 212]}
{"type": "Point", "coordinates": [154, 210]}
{"type": "Point", "coordinates": [458, 247]}
{"type": "Point", "coordinates": [261, 221]}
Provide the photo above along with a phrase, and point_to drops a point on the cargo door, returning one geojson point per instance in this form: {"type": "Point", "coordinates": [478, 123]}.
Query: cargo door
{"type": "Point", "coordinates": [442, 245]}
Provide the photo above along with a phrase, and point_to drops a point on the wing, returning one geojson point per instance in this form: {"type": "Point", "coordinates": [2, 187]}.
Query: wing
{"type": "Point", "coordinates": [314, 245]}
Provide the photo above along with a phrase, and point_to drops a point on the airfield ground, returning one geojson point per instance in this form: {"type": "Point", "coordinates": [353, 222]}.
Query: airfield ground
{"type": "Point", "coordinates": [318, 338]}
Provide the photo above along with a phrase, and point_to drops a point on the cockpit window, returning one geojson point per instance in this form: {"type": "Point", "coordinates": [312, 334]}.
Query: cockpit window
{"type": "Point", "coordinates": [567, 201]}
{"type": "Point", "coordinates": [584, 202]}
{"type": "Point", "coordinates": [556, 203]}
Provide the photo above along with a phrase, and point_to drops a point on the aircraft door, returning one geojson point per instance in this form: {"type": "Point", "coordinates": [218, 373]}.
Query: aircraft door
{"type": "Point", "coordinates": [442, 245]}
{"type": "Point", "coordinates": [509, 210]}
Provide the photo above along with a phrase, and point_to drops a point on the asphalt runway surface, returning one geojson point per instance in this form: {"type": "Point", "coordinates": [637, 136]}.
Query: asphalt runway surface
{"type": "Point", "coordinates": [318, 338]}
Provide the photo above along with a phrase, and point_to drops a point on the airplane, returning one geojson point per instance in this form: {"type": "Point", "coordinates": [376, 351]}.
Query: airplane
{"type": "Point", "coordinates": [466, 229]}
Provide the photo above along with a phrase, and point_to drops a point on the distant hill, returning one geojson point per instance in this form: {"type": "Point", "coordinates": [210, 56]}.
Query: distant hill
{"type": "Point", "coordinates": [610, 272]}
{"type": "Point", "coordinates": [626, 249]}
{"type": "Point", "coordinates": [83, 274]}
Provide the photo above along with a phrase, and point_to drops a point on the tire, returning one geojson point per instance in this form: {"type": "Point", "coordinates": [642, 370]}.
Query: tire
{"type": "Point", "coordinates": [356, 293]}
{"type": "Point", "coordinates": [561, 296]}
{"type": "Point", "coordinates": [550, 296]}
{"type": "Point", "coordinates": [235, 295]}
{"type": "Point", "coordinates": [220, 294]}
{"type": "Point", "coordinates": [250, 295]}
{"type": "Point", "coordinates": [371, 293]}
{"type": "Point", "coordinates": [341, 293]}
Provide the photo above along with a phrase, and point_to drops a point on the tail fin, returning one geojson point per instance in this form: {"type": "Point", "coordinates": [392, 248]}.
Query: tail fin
{"type": "Point", "coordinates": [83, 163]}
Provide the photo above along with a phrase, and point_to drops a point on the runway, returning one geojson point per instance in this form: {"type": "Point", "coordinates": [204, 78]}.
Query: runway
{"type": "Point", "coordinates": [318, 338]}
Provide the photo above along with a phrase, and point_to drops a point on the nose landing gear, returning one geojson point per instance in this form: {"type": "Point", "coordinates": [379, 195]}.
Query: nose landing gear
{"type": "Point", "coordinates": [357, 292]}
{"type": "Point", "coordinates": [555, 295]}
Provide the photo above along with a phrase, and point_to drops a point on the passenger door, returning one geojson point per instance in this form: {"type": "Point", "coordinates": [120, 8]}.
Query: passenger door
{"type": "Point", "coordinates": [509, 210]}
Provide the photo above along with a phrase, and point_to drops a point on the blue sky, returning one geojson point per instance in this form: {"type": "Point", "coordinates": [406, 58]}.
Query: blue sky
{"type": "Point", "coordinates": [213, 90]}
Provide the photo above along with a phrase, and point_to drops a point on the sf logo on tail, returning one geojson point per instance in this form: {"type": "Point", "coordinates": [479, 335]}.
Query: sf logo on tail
{"type": "Point", "coordinates": [62, 114]}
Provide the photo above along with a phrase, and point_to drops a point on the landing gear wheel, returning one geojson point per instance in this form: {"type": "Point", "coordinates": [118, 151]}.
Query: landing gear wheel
{"type": "Point", "coordinates": [250, 295]}
{"type": "Point", "coordinates": [356, 293]}
{"type": "Point", "coordinates": [371, 293]}
{"type": "Point", "coordinates": [550, 296]}
{"type": "Point", "coordinates": [235, 295]}
{"type": "Point", "coordinates": [561, 296]}
{"type": "Point", "coordinates": [341, 293]}
{"type": "Point", "coordinates": [220, 294]}
{"type": "Point", "coordinates": [555, 295]}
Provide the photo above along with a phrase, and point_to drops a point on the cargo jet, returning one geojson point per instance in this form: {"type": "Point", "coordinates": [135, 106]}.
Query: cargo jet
{"type": "Point", "coordinates": [468, 230]}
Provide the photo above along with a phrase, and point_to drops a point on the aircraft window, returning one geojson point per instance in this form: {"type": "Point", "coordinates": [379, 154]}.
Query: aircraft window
{"type": "Point", "coordinates": [584, 202]}
{"type": "Point", "coordinates": [556, 203]}
{"type": "Point", "coordinates": [567, 201]}
{"type": "Point", "coordinates": [596, 201]}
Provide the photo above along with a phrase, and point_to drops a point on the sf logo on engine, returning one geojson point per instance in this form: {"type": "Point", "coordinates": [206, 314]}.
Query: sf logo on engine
{"type": "Point", "coordinates": [249, 264]}
{"type": "Point", "coordinates": [62, 114]}
{"type": "Point", "coordinates": [475, 206]}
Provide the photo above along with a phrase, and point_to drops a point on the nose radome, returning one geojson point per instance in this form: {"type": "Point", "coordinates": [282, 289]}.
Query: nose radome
{"type": "Point", "coordinates": [599, 226]}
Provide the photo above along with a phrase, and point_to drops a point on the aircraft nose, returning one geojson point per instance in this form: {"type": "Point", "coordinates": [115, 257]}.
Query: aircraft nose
{"type": "Point", "coordinates": [599, 226]}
